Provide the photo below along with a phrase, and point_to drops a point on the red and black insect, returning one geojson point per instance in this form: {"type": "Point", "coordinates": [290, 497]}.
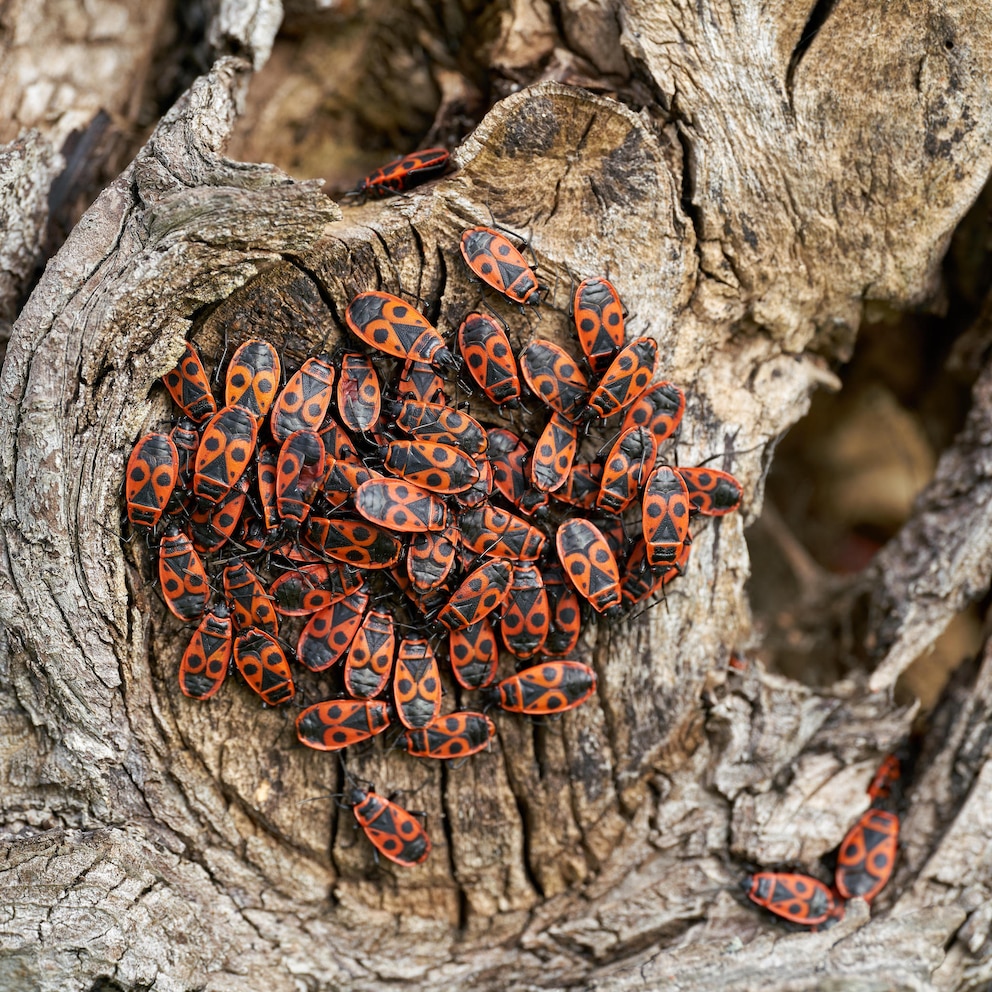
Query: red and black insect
{"type": "Point", "coordinates": [555, 378]}
{"type": "Point", "coordinates": [794, 897]}
{"type": "Point", "coordinates": [480, 490]}
{"type": "Point", "coordinates": [640, 581]}
{"type": "Point", "coordinates": [354, 542]}
{"type": "Point", "coordinates": [395, 833]}
{"type": "Point", "coordinates": [267, 469]}
{"type": "Point", "coordinates": [299, 475]}
{"type": "Point", "coordinates": [308, 589]}
{"type": "Point", "coordinates": [337, 443]}
{"type": "Point", "coordinates": [208, 655]}
{"type": "Point", "coordinates": [392, 326]}
{"type": "Point", "coordinates": [416, 683]}
{"type": "Point", "coordinates": [489, 358]}
{"type": "Point", "coordinates": [430, 559]}
{"type": "Point", "coordinates": [225, 452]}
{"type": "Point", "coordinates": [589, 564]}
{"type": "Point", "coordinates": [525, 616]}
{"type": "Point", "coordinates": [488, 530]}
{"type": "Point", "coordinates": [182, 576]}
{"type": "Point", "coordinates": [885, 779]}
{"type": "Point", "coordinates": [665, 515]}
{"type": "Point", "coordinates": [659, 409]}
{"type": "Point", "coordinates": [329, 633]}
{"type": "Point", "coordinates": [263, 666]}
{"type": "Point", "coordinates": [599, 317]}
{"type": "Point", "coordinates": [339, 723]}
{"type": "Point", "coordinates": [186, 438]}
{"type": "Point", "coordinates": [370, 657]}
{"type": "Point", "coordinates": [215, 523]}
{"type": "Point", "coordinates": [615, 531]}
{"type": "Point", "coordinates": [498, 264]}
{"type": "Point", "coordinates": [545, 689]}
{"type": "Point", "coordinates": [456, 735]}
{"type": "Point", "coordinates": [482, 591]}
{"type": "Point", "coordinates": [508, 456]}
{"type": "Point", "coordinates": [426, 603]}
{"type": "Point", "coordinates": [565, 613]}
{"type": "Point", "coordinates": [419, 382]}
{"type": "Point", "coordinates": [581, 488]}
{"type": "Point", "coordinates": [441, 468]}
{"type": "Point", "coordinates": [401, 506]}
{"type": "Point", "coordinates": [626, 469]}
{"type": "Point", "coordinates": [303, 402]}
{"type": "Point", "coordinates": [627, 378]}
{"type": "Point", "coordinates": [867, 855]}
{"type": "Point", "coordinates": [250, 604]}
{"type": "Point", "coordinates": [711, 492]}
{"type": "Point", "coordinates": [152, 472]}
{"type": "Point", "coordinates": [474, 655]}
{"type": "Point", "coordinates": [359, 392]}
{"type": "Point", "coordinates": [342, 477]}
{"type": "Point", "coordinates": [405, 172]}
{"type": "Point", "coordinates": [253, 378]}
{"type": "Point", "coordinates": [440, 424]}
{"type": "Point", "coordinates": [190, 388]}
{"type": "Point", "coordinates": [553, 454]}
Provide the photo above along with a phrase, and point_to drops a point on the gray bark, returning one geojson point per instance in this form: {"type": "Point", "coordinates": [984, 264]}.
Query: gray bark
{"type": "Point", "coordinates": [749, 213]}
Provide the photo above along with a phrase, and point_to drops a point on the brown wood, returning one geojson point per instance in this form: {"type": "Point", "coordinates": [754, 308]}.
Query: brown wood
{"type": "Point", "coordinates": [755, 207]}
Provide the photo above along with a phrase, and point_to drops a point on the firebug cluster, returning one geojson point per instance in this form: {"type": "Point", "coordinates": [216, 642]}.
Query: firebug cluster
{"type": "Point", "coordinates": [351, 517]}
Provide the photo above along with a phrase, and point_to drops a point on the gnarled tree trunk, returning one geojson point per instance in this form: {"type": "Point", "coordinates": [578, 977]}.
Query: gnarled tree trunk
{"type": "Point", "coordinates": [756, 178]}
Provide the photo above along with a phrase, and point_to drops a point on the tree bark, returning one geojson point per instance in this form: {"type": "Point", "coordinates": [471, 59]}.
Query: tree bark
{"type": "Point", "coordinates": [750, 211]}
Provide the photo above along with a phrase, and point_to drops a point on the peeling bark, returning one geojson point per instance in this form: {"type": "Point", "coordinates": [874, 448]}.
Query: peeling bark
{"type": "Point", "coordinates": [747, 211]}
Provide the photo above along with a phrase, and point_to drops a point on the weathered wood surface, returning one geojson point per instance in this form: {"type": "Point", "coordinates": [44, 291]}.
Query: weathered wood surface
{"type": "Point", "coordinates": [749, 212]}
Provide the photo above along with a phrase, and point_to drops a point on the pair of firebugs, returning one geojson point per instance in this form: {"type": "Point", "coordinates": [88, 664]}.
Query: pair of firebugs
{"type": "Point", "coordinates": [865, 861]}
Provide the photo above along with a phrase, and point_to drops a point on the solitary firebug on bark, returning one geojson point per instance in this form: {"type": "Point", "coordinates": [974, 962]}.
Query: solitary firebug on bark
{"type": "Point", "coordinates": [395, 833]}
{"type": "Point", "coordinates": [405, 172]}
{"type": "Point", "coordinates": [498, 264]}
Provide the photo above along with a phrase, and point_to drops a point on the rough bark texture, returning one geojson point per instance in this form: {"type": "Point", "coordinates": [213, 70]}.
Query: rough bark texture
{"type": "Point", "coordinates": [750, 211]}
